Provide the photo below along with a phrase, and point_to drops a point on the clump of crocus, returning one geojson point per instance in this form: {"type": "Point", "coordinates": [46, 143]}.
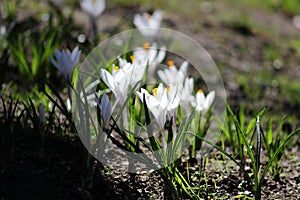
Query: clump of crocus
{"type": "Point", "coordinates": [94, 9]}
{"type": "Point", "coordinates": [148, 23]}
{"type": "Point", "coordinates": [163, 103]}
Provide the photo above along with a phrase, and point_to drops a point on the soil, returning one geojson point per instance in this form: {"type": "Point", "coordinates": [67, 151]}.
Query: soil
{"type": "Point", "coordinates": [56, 172]}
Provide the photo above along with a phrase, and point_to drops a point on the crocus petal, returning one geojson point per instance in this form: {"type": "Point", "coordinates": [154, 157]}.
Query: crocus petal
{"type": "Point", "coordinates": [58, 55]}
{"type": "Point", "coordinates": [106, 108]}
{"type": "Point", "coordinates": [74, 54]}
{"type": "Point", "coordinates": [160, 116]}
{"type": "Point", "coordinates": [108, 79]}
{"type": "Point", "coordinates": [76, 59]}
{"type": "Point", "coordinates": [184, 67]}
{"type": "Point", "coordinates": [209, 99]}
{"type": "Point", "coordinates": [122, 62]}
{"type": "Point", "coordinates": [67, 64]}
{"type": "Point", "coordinates": [138, 21]}
{"type": "Point", "coordinates": [53, 62]}
{"type": "Point", "coordinates": [162, 76]}
{"type": "Point", "coordinates": [200, 99]}
{"type": "Point", "coordinates": [161, 55]}
{"type": "Point", "coordinates": [142, 93]}
{"type": "Point", "coordinates": [152, 53]}
{"type": "Point", "coordinates": [157, 18]}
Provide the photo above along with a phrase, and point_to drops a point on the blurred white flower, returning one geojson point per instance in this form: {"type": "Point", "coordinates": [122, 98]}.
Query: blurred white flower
{"type": "Point", "coordinates": [296, 21]}
{"type": "Point", "coordinates": [202, 103]}
{"type": "Point", "coordinates": [172, 75]}
{"type": "Point", "coordinates": [163, 103]}
{"type": "Point", "coordinates": [186, 96]}
{"type": "Point", "coordinates": [2, 31]}
{"type": "Point", "coordinates": [148, 23]}
{"type": "Point", "coordinates": [69, 104]}
{"type": "Point", "coordinates": [93, 7]}
{"type": "Point", "coordinates": [150, 55]}
{"type": "Point", "coordinates": [66, 61]}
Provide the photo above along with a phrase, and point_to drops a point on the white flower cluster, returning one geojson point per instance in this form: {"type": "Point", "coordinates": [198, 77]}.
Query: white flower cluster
{"type": "Point", "coordinates": [130, 73]}
{"type": "Point", "coordinates": [164, 101]}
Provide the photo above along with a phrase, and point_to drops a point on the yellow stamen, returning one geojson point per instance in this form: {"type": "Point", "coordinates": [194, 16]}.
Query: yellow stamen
{"type": "Point", "coordinates": [94, 1]}
{"type": "Point", "coordinates": [148, 16]}
{"type": "Point", "coordinates": [132, 58]}
{"type": "Point", "coordinates": [170, 63]}
{"type": "Point", "coordinates": [168, 89]}
{"type": "Point", "coordinates": [154, 91]}
{"type": "Point", "coordinates": [116, 68]}
{"type": "Point", "coordinates": [146, 46]}
{"type": "Point", "coordinates": [200, 91]}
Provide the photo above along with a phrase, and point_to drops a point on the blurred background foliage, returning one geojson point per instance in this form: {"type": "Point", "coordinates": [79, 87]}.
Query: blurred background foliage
{"type": "Point", "coordinates": [257, 52]}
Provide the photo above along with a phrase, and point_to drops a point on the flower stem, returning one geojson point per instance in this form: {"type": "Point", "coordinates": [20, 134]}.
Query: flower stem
{"type": "Point", "coordinates": [94, 28]}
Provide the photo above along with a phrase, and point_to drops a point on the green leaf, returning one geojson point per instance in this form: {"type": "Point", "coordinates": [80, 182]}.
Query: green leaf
{"type": "Point", "coordinates": [228, 156]}
{"type": "Point", "coordinates": [35, 61]}
{"type": "Point", "coordinates": [277, 152]}
{"type": "Point", "coordinates": [250, 126]}
{"type": "Point", "coordinates": [269, 133]}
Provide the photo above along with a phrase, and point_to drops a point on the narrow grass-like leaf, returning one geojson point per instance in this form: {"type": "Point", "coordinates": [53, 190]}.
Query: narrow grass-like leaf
{"type": "Point", "coordinates": [269, 133]}
{"type": "Point", "coordinates": [35, 61]}
{"type": "Point", "coordinates": [277, 152]}
{"type": "Point", "coordinates": [184, 184]}
{"type": "Point", "coordinates": [228, 156]}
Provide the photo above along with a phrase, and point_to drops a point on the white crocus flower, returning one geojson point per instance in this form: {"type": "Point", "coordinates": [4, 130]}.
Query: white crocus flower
{"type": "Point", "coordinates": [148, 23]}
{"type": "Point", "coordinates": [66, 61]}
{"type": "Point", "coordinates": [172, 75]}
{"type": "Point", "coordinates": [187, 98]}
{"type": "Point", "coordinates": [150, 55]}
{"type": "Point", "coordinates": [135, 69]}
{"type": "Point", "coordinates": [174, 96]}
{"type": "Point", "coordinates": [93, 7]}
{"type": "Point", "coordinates": [118, 81]}
{"type": "Point", "coordinates": [202, 103]}
{"type": "Point", "coordinates": [163, 103]}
